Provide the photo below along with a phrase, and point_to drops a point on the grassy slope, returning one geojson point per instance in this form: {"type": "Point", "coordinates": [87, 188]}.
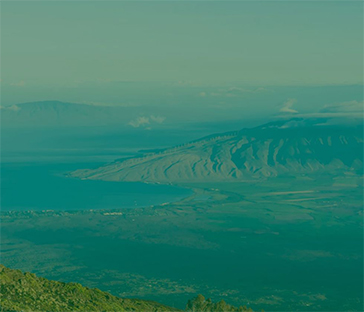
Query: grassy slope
{"type": "Point", "coordinates": [27, 292]}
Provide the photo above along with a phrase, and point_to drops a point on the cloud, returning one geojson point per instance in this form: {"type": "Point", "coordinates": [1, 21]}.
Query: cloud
{"type": "Point", "coordinates": [350, 109]}
{"type": "Point", "coordinates": [157, 119]}
{"type": "Point", "coordinates": [140, 121]}
{"type": "Point", "coordinates": [146, 121]}
{"type": "Point", "coordinates": [344, 107]}
{"type": "Point", "coordinates": [287, 106]}
{"type": "Point", "coordinates": [236, 92]}
{"type": "Point", "coordinates": [14, 108]}
{"type": "Point", "coordinates": [107, 104]}
{"type": "Point", "coordinates": [18, 84]}
{"type": "Point", "coordinates": [202, 94]}
{"type": "Point", "coordinates": [244, 90]}
{"type": "Point", "coordinates": [184, 83]}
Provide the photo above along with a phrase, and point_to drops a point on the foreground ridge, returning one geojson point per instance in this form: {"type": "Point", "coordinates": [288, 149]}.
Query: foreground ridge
{"type": "Point", "coordinates": [26, 292]}
{"type": "Point", "coordinates": [201, 304]}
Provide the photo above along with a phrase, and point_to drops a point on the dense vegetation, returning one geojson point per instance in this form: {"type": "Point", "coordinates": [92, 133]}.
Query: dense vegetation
{"type": "Point", "coordinates": [200, 304]}
{"type": "Point", "coordinates": [26, 292]}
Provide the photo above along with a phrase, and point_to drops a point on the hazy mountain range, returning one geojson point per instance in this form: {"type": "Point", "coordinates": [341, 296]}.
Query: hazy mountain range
{"type": "Point", "coordinates": [296, 146]}
{"type": "Point", "coordinates": [56, 114]}
{"type": "Point", "coordinates": [63, 129]}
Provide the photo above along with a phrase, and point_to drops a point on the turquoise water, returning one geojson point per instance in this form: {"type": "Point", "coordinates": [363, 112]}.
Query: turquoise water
{"type": "Point", "coordinates": [309, 266]}
{"type": "Point", "coordinates": [35, 186]}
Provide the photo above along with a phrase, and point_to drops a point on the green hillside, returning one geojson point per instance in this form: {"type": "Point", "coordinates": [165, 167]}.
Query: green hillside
{"type": "Point", "coordinates": [26, 292]}
{"type": "Point", "coordinates": [200, 304]}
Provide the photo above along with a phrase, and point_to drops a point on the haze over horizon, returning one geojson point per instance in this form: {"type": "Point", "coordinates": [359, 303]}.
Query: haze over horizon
{"type": "Point", "coordinates": [112, 52]}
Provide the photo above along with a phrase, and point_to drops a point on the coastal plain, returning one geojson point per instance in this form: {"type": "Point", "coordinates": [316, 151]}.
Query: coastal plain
{"type": "Point", "coordinates": [288, 243]}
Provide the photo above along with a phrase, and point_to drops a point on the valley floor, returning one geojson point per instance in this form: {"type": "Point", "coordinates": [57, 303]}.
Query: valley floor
{"type": "Point", "coordinates": [286, 244]}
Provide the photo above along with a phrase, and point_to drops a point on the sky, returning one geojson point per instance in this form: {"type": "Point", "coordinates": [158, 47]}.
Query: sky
{"type": "Point", "coordinates": [72, 43]}
{"type": "Point", "coordinates": [198, 66]}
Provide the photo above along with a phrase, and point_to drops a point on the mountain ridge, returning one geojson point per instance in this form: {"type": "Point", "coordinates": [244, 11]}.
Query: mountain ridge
{"type": "Point", "coordinates": [60, 114]}
{"type": "Point", "coordinates": [266, 151]}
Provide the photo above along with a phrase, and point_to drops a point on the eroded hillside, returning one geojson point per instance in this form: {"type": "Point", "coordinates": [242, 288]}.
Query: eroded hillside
{"type": "Point", "coordinates": [266, 151]}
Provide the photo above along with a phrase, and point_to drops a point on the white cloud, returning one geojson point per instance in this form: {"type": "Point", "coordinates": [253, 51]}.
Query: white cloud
{"type": "Point", "coordinates": [12, 108]}
{"type": "Point", "coordinates": [157, 119]}
{"type": "Point", "coordinates": [140, 121]}
{"type": "Point", "coordinates": [237, 92]}
{"type": "Point", "coordinates": [350, 109]}
{"type": "Point", "coordinates": [344, 107]}
{"type": "Point", "coordinates": [244, 90]}
{"type": "Point", "coordinates": [185, 83]}
{"type": "Point", "coordinates": [287, 106]}
{"type": "Point", "coordinates": [146, 121]}
{"type": "Point", "coordinates": [105, 104]}
{"type": "Point", "coordinates": [18, 83]}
